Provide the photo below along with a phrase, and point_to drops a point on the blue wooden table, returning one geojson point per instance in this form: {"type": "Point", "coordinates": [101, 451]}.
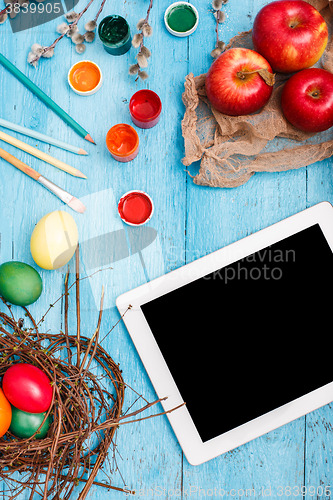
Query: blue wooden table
{"type": "Point", "coordinates": [190, 221]}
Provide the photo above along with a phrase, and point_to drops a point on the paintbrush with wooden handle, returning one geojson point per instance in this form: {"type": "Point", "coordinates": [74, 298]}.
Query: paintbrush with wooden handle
{"type": "Point", "coordinates": [64, 196]}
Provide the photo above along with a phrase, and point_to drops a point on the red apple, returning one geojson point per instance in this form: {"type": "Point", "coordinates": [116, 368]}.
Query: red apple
{"type": "Point", "coordinates": [290, 34]}
{"type": "Point", "coordinates": [233, 84]}
{"type": "Point", "coordinates": [307, 100]}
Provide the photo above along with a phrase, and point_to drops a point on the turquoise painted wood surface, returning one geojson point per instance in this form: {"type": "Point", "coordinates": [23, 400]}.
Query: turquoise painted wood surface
{"type": "Point", "coordinates": [190, 221]}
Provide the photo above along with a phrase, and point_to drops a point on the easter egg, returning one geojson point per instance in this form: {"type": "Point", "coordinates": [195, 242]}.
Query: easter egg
{"type": "Point", "coordinates": [27, 388]}
{"type": "Point", "coordinates": [5, 414]}
{"type": "Point", "coordinates": [54, 240]}
{"type": "Point", "coordinates": [20, 284]}
{"type": "Point", "coordinates": [24, 425]}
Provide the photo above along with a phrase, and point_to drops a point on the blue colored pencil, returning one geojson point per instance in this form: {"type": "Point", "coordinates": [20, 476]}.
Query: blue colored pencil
{"type": "Point", "coordinates": [45, 98]}
{"type": "Point", "coordinates": [41, 137]}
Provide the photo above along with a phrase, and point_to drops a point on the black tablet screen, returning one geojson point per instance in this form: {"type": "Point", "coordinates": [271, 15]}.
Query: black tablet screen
{"type": "Point", "coordinates": [251, 336]}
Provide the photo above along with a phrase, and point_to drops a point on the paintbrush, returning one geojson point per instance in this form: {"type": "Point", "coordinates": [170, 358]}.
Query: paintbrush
{"type": "Point", "coordinates": [64, 196]}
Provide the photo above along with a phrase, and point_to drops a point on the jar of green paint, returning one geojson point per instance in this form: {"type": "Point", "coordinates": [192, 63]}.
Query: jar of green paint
{"type": "Point", "coordinates": [181, 19]}
{"type": "Point", "coordinates": [115, 35]}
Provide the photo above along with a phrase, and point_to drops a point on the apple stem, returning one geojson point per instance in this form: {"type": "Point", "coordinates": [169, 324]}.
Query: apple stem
{"type": "Point", "coordinates": [268, 77]}
{"type": "Point", "coordinates": [242, 74]}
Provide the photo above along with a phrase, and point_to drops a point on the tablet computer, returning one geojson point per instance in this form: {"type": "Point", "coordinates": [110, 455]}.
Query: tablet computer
{"type": "Point", "coordinates": [240, 335]}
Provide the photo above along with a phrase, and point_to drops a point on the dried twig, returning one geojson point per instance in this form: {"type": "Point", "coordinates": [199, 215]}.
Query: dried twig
{"type": "Point", "coordinates": [78, 312]}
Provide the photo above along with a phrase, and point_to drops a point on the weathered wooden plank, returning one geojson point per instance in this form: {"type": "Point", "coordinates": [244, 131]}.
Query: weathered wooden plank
{"type": "Point", "coordinates": [227, 215]}
{"type": "Point", "coordinates": [318, 465]}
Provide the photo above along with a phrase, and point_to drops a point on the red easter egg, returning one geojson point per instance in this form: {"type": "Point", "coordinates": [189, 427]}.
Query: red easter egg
{"type": "Point", "coordinates": [27, 388]}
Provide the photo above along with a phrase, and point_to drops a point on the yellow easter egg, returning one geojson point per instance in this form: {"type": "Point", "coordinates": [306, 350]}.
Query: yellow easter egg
{"type": "Point", "coordinates": [54, 240]}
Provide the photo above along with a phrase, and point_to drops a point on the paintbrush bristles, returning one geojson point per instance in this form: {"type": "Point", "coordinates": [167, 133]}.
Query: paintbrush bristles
{"type": "Point", "coordinates": [77, 205]}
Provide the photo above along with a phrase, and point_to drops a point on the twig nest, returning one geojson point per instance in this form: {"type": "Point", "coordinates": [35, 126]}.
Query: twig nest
{"type": "Point", "coordinates": [81, 406]}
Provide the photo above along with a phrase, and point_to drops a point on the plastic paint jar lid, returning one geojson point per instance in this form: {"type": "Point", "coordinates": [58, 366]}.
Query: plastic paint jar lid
{"type": "Point", "coordinates": [85, 78]}
{"type": "Point", "coordinates": [122, 141]}
{"type": "Point", "coordinates": [135, 208]}
{"type": "Point", "coordinates": [181, 19]}
{"type": "Point", "coordinates": [145, 108]}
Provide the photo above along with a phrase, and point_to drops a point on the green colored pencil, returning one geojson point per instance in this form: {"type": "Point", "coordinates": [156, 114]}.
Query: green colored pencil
{"type": "Point", "coordinates": [45, 98]}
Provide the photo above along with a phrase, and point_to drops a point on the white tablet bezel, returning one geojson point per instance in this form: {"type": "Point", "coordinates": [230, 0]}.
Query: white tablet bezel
{"type": "Point", "coordinates": [195, 450]}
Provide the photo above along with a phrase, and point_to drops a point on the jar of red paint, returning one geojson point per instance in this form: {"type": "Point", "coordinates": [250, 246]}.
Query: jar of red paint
{"type": "Point", "coordinates": [135, 208]}
{"type": "Point", "coordinates": [145, 108]}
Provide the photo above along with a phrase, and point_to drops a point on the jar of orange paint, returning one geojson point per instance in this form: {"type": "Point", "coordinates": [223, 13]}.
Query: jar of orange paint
{"type": "Point", "coordinates": [85, 78]}
{"type": "Point", "coordinates": [122, 141]}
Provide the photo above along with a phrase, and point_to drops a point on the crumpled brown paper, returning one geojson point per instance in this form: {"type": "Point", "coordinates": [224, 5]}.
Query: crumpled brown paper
{"type": "Point", "coordinates": [233, 148]}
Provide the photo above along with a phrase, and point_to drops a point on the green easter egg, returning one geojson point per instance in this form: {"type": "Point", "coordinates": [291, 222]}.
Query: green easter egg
{"type": "Point", "coordinates": [20, 284]}
{"type": "Point", "coordinates": [24, 425]}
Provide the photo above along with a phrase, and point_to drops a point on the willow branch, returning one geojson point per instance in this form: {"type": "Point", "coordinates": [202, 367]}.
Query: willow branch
{"type": "Point", "coordinates": [57, 40]}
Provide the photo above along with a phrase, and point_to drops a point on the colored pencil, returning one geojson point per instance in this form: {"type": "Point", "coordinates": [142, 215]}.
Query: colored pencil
{"type": "Point", "coordinates": [41, 137]}
{"type": "Point", "coordinates": [45, 98]}
{"type": "Point", "coordinates": [41, 155]}
{"type": "Point", "coordinates": [64, 196]}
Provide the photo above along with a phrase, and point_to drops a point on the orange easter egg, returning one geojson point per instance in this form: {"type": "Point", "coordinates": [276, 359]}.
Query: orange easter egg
{"type": "Point", "coordinates": [5, 414]}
